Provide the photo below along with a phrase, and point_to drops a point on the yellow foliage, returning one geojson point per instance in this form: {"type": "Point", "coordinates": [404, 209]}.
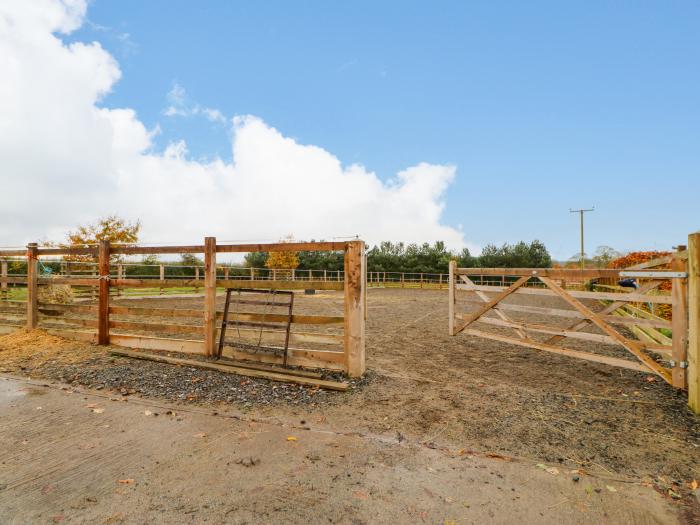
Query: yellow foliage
{"type": "Point", "coordinates": [113, 229]}
{"type": "Point", "coordinates": [283, 260]}
{"type": "Point", "coordinates": [286, 260]}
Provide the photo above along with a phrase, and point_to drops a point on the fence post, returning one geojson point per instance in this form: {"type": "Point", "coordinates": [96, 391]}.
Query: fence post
{"type": "Point", "coordinates": [364, 283]}
{"type": "Point", "coordinates": [32, 286]}
{"type": "Point", "coordinates": [354, 323]}
{"type": "Point", "coordinates": [679, 320]}
{"type": "Point", "coordinates": [120, 275]}
{"type": "Point", "coordinates": [226, 268]}
{"type": "Point", "coordinates": [3, 286]}
{"type": "Point", "coordinates": [453, 266]}
{"type": "Point", "coordinates": [252, 273]}
{"type": "Point", "coordinates": [694, 322]}
{"type": "Point", "coordinates": [103, 297]}
{"type": "Point", "coordinates": [210, 296]}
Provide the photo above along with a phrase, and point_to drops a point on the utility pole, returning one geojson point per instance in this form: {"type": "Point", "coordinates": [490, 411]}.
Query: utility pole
{"type": "Point", "coordinates": [581, 212]}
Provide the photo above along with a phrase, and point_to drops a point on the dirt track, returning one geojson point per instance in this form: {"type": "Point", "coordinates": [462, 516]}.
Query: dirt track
{"type": "Point", "coordinates": [472, 397]}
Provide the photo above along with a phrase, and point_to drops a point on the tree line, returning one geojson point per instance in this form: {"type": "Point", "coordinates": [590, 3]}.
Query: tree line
{"type": "Point", "coordinates": [390, 256]}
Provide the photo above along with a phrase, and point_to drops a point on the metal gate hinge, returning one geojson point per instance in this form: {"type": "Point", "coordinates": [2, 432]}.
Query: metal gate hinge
{"type": "Point", "coordinates": [680, 364]}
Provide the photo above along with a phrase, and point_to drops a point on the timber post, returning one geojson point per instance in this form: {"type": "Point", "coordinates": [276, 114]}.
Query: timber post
{"type": "Point", "coordinates": [679, 320]}
{"type": "Point", "coordinates": [120, 276]}
{"type": "Point", "coordinates": [32, 286]}
{"type": "Point", "coordinates": [694, 322]}
{"type": "Point", "coordinates": [364, 283]}
{"type": "Point", "coordinates": [354, 324]}
{"type": "Point", "coordinates": [210, 346]}
{"type": "Point", "coordinates": [103, 294]}
{"type": "Point", "coordinates": [3, 285]}
{"type": "Point", "coordinates": [451, 284]}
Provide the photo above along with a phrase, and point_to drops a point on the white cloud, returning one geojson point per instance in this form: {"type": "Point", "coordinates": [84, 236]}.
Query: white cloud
{"type": "Point", "coordinates": [181, 107]}
{"type": "Point", "coordinates": [64, 160]}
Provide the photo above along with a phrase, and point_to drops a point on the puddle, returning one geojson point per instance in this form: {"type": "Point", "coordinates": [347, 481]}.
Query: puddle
{"type": "Point", "coordinates": [11, 390]}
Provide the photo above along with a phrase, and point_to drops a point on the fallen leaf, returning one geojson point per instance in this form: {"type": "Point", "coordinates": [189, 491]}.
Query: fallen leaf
{"type": "Point", "coordinates": [610, 488]}
{"type": "Point", "coordinates": [360, 494]}
{"type": "Point", "coordinates": [497, 456]}
{"type": "Point", "coordinates": [98, 410]}
{"type": "Point", "coordinates": [91, 405]}
{"type": "Point", "coordinates": [147, 413]}
{"type": "Point", "coordinates": [127, 481]}
{"type": "Point", "coordinates": [694, 484]}
{"type": "Point", "coordinates": [200, 434]}
{"type": "Point", "coordinates": [291, 438]}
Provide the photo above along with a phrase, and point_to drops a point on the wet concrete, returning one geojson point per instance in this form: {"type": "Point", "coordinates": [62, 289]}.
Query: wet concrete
{"type": "Point", "coordinates": [86, 457]}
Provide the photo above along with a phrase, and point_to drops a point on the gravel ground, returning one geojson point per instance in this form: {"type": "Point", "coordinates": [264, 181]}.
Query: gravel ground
{"type": "Point", "coordinates": [189, 384]}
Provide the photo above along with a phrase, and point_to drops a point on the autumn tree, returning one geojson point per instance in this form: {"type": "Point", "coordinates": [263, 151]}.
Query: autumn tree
{"type": "Point", "coordinates": [113, 229]}
{"type": "Point", "coordinates": [283, 260]}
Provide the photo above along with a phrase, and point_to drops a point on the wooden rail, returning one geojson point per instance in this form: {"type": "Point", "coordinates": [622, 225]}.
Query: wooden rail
{"type": "Point", "coordinates": [109, 321]}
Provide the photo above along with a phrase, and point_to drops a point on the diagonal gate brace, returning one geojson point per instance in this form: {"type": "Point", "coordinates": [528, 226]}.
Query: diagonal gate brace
{"type": "Point", "coordinates": [633, 347]}
{"type": "Point", "coordinates": [493, 302]}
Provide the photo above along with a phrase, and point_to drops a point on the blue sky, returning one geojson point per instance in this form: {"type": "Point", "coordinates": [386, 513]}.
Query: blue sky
{"type": "Point", "coordinates": [541, 106]}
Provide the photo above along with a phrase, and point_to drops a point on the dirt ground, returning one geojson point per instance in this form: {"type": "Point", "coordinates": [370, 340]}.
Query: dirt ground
{"type": "Point", "coordinates": [430, 401]}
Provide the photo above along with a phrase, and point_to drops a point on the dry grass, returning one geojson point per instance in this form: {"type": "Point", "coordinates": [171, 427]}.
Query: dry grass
{"type": "Point", "coordinates": [34, 348]}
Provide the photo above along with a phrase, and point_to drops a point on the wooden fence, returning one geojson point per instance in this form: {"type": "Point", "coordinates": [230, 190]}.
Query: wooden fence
{"type": "Point", "coordinates": [161, 271]}
{"type": "Point", "coordinates": [674, 357]}
{"type": "Point", "coordinates": [109, 322]}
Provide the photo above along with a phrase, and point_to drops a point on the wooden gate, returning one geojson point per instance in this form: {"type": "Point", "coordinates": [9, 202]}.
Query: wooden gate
{"type": "Point", "coordinates": [498, 297]}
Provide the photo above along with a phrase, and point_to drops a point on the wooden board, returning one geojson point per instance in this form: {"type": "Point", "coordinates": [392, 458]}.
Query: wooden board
{"type": "Point", "coordinates": [605, 296]}
{"type": "Point", "coordinates": [613, 361]}
{"type": "Point", "coordinates": [284, 378]}
{"type": "Point", "coordinates": [266, 368]}
{"type": "Point", "coordinates": [573, 314]}
{"type": "Point", "coordinates": [157, 327]}
{"type": "Point", "coordinates": [231, 248]}
{"type": "Point", "coordinates": [553, 273]}
{"type": "Point", "coordinates": [249, 316]}
{"type": "Point", "coordinates": [223, 283]}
